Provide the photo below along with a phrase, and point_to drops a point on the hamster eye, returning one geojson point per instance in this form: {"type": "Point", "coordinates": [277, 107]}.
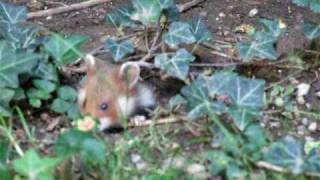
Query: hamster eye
{"type": "Point", "coordinates": [104, 106]}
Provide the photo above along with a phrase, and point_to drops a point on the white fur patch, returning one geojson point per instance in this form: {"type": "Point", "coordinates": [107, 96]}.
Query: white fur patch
{"type": "Point", "coordinates": [145, 97]}
{"type": "Point", "coordinates": [126, 105]}
{"type": "Point", "coordinates": [81, 96]}
{"type": "Point", "coordinates": [90, 59]}
{"type": "Point", "coordinates": [105, 123]}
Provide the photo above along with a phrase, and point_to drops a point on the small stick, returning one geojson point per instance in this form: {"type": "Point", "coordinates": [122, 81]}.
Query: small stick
{"type": "Point", "coordinates": [266, 165]}
{"type": "Point", "coordinates": [58, 10]}
{"type": "Point", "coordinates": [158, 122]}
{"type": "Point", "coordinates": [188, 5]}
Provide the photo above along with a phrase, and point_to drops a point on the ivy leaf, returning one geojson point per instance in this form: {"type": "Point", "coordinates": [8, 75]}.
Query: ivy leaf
{"type": "Point", "coordinates": [121, 17]}
{"type": "Point", "coordinates": [172, 13]}
{"type": "Point", "coordinates": [262, 47]}
{"type": "Point", "coordinates": [242, 116]}
{"type": "Point", "coordinates": [21, 37]}
{"type": "Point", "coordinates": [218, 161]}
{"type": "Point", "coordinates": [273, 27]}
{"type": "Point", "coordinates": [314, 5]}
{"type": "Point", "coordinates": [33, 166]}
{"type": "Point", "coordinates": [146, 11]}
{"type": "Point", "coordinates": [179, 32]}
{"type": "Point", "coordinates": [288, 153]}
{"type": "Point", "coordinates": [200, 30]}
{"type": "Point", "coordinates": [198, 99]}
{"type": "Point", "coordinates": [34, 93]}
{"type": "Point", "coordinates": [12, 14]}
{"type": "Point", "coordinates": [76, 142]}
{"type": "Point", "coordinates": [178, 65]}
{"type": "Point", "coordinates": [246, 93]}
{"type": "Point", "coordinates": [219, 82]}
{"type": "Point", "coordinates": [165, 4]}
{"type": "Point", "coordinates": [313, 161]}
{"type": "Point", "coordinates": [6, 96]}
{"type": "Point", "coordinates": [311, 30]}
{"type": "Point", "coordinates": [176, 100]}
{"type": "Point", "coordinates": [45, 71]}
{"type": "Point", "coordinates": [65, 50]}
{"type": "Point", "coordinates": [119, 50]}
{"type": "Point", "coordinates": [67, 93]}
{"type": "Point", "coordinates": [234, 171]}
{"type": "Point", "coordinates": [12, 64]}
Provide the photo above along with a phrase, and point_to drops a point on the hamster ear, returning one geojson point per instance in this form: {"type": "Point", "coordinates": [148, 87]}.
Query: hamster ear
{"type": "Point", "coordinates": [90, 63]}
{"type": "Point", "coordinates": [130, 73]}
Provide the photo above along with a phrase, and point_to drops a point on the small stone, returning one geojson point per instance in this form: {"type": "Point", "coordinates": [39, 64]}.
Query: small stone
{"type": "Point", "coordinates": [253, 12]}
{"type": "Point", "coordinates": [135, 158]}
{"type": "Point", "coordinates": [176, 162]}
{"type": "Point", "coordinates": [301, 130]}
{"type": "Point", "coordinates": [203, 13]}
{"type": "Point", "coordinates": [303, 89]}
{"type": "Point", "coordinates": [141, 165]}
{"type": "Point", "coordinates": [305, 121]}
{"type": "Point", "coordinates": [195, 168]}
{"type": "Point", "coordinates": [48, 18]}
{"type": "Point", "coordinates": [222, 15]}
{"type": "Point", "coordinates": [312, 127]}
{"type": "Point", "coordinates": [318, 94]}
{"type": "Point", "coordinates": [301, 100]}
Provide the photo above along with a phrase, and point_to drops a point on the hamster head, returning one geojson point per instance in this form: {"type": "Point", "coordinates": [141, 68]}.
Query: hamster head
{"type": "Point", "coordinates": [110, 94]}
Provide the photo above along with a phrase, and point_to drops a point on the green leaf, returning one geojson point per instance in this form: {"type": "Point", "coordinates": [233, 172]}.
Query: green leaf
{"type": "Point", "coordinates": [93, 151]}
{"type": "Point", "coordinates": [119, 50]}
{"type": "Point", "coordinates": [34, 167]}
{"type": "Point", "coordinates": [6, 96]}
{"type": "Point", "coordinates": [179, 32]}
{"type": "Point", "coordinates": [60, 105]}
{"type": "Point", "coordinates": [218, 161]}
{"type": "Point", "coordinates": [121, 17]}
{"type": "Point", "coordinates": [246, 93]}
{"type": "Point", "coordinates": [4, 154]}
{"type": "Point", "coordinates": [200, 30]}
{"type": "Point", "coordinates": [311, 30]}
{"type": "Point", "coordinates": [45, 71]}
{"type": "Point", "coordinates": [176, 100]}
{"type": "Point", "coordinates": [76, 142]}
{"type": "Point", "coordinates": [242, 117]}
{"type": "Point", "coordinates": [74, 112]}
{"type": "Point", "coordinates": [178, 65]}
{"type": "Point", "coordinates": [262, 47]}
{"type": "Point", "coordinates": [65, 50]}
{"type": "Point", "coordinates": [12, 14]}
{"type": "Point", "coordinates": [198, 99]}
{"type": "Point", "coordinates": [287, 153]}
{"type": "Point", "coordinates": [272, 27]}
{"type": "Point", "coordinates": [21, 37]}
{"type": "Point", "coordinates": [34, 93]}
{"type": "Point", "coordinates": [313, 161]}
{"type": "Point", "coordinates": [165, 4]}
{"type": "Point", "coordinates": [255, 134]}
{"type": "Point", "coordinates": [67, 93]}
{"type": "Point", "coordinates": [146, 11]}
{"type": "Point", "coordinates": [219, 82]}
{"type": "Point", "coordinates": [172, 14]}
{"type": "Point", "coordinates": [314, 5]}
{"type": "Point", "coordinates": [35, 102]}
{"type": "Point", "coordinates": [12, 64]}
{"type": "Point", "coordinates": [236, 172]}
{"type": "Point", "coordinates": [44, 85]}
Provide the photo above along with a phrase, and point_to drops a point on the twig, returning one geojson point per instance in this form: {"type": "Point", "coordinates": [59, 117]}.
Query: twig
{"type": "Point", "coordinates": [65, 9]}
{"type": "Point", "coordinates": [266, 165]}
{"type": "Point", "coordinates": [54, 3]}
{"type": "Point", "coordinates": [188, 5]}
{"type": "Point", "coordinates": [158, 122]}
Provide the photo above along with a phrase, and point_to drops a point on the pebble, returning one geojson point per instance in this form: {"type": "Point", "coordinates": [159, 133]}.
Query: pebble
{"type": "Point", "coordinates": [318, 94]}
{"type": "Point", "coordinates": [135, 158]}
{"type": "Point", "coordinates": [197, 170]}
{"type": "Point", "coordinates": [176, 162]}
{"type": "Point", "coordinates": [301, 130]}
{"type": "Point", "coordinates": [301, 100]}
{"type": "Point", "coordinates": [303, 89]}
{"type": "Point", "coordinates": [305, 121]}
{"type": "Point", "coordinates": [312, 127]}
{"type": "Point", "coordinates": [275, 124]}
{"type": "Point", "coordinates": [222, 15]}
{"type": "Point", "coordinates": [253, 12]}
